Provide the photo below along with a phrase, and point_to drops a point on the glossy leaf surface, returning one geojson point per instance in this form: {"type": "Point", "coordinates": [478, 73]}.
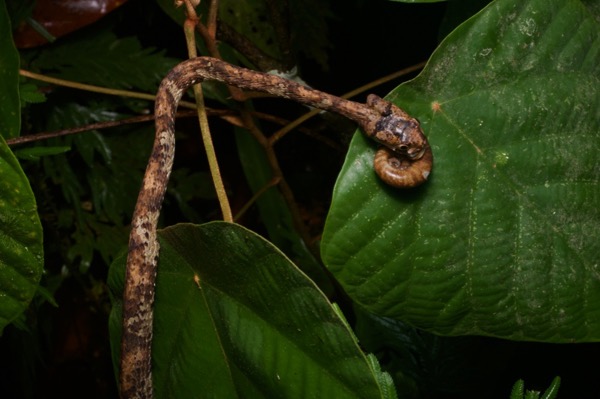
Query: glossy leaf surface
{"type": "Point", "coordinates": [503, 239]}
{"type": "Point", "coordinates": [61, 17]}
{"type": "Point", "coordinates": [234, 318]}
{"type": "Point", "coordinates": [21, 251]}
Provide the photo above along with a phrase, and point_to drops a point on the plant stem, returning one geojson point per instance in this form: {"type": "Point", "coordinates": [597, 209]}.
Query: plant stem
{"type": "Point", "coordinates": [189, 28]}
{"type": "Point", "coordinates": [278, 135]}
{"type": "Point", "coordinates": [95, 89]}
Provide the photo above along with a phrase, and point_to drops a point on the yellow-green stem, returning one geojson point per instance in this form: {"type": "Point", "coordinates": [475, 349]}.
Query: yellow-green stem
{"type": "Point", "coordinates": [95, 89]}
{"type": "Point", "coordinates": [205, 130]}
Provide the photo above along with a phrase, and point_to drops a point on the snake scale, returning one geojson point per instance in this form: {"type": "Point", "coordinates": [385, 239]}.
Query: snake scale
{"type": "Point", "coordinates": [404, 160]}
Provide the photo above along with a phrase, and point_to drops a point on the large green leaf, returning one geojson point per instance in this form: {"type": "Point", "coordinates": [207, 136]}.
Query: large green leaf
{"type": "Point", "coordinates": [21, 258]}
{"type": "Point", "coordinates": [503, 239]}
{"type": "Point", "coordinates": [21, 251]}
{"type": "Point", "coordinates": [234, 318]}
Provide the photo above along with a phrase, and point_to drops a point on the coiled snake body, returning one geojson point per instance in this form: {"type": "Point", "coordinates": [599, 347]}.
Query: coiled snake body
{"type": "Point", "coordinates": [405, 160]}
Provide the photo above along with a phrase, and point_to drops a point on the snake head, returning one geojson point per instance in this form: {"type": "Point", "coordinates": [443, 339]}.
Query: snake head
{"type": "Point", "coordinates": [395, 129]}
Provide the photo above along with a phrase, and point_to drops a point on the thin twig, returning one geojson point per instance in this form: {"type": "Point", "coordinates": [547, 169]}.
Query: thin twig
{"type": "Point", "coordinates": [238, 95]}
{"type": "Point", "coordinates": [95, 89]}
{"type": "Point", "coordinates": [230, 116]}
{"type": "Point", "coordinates": [284, 188]}
{"type": "Point", "coordinates": [295, 123]}
{"type": "Point", "coordinates": [271, 183]}
{"type": "Point", "coordinates": [211, 20]}
{"type": "Point", "coordinates": [80, 129]}
{"type": "Point", "coordinates": [211, 44]}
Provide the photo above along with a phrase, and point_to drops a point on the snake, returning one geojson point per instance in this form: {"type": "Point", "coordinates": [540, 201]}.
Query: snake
{"type": "Point", "coordinates": [404, 160]}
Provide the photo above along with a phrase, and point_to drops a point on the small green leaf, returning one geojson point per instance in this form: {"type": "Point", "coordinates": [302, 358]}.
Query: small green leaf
{"type": "Point", "coordinates": [29, 94]}
{"type": "Point", "coordinates": [21, 251]}
{"type": "Point", "coordinates": [234, 318]}
{"type": "Point", "coordinates": [518, 390]}
{"type": "Point", "coordinates": [502, 240]}
{"type": "Point", "coordinates": [552, 391]}
{"type": "Point", "coordinates": [34, 153]}
{"type": "Point", "coordinates": [388, 390]}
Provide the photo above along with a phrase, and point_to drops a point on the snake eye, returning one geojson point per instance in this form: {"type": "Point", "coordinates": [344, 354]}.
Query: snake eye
{"type": "Point", "coordinates": [403, 149]}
